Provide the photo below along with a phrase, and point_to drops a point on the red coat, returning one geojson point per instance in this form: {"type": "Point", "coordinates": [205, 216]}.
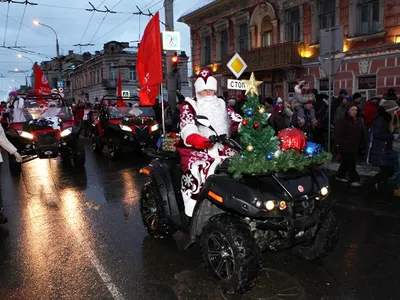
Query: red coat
{"type": "Point", "coordinates": [369, 113]}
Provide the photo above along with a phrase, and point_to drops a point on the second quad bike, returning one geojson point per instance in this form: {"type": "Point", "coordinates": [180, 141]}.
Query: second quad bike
{"type": "Point", "coordinates": [123, 124]}
{"type": "Point", "coordinates": [47, 131]}
{"type": "Point", "coordinates": [236, 220]}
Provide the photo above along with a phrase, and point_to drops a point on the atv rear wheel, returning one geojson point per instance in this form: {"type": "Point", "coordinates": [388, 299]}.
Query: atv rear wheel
{"type": "Point", "coordinates": [97, 144]}
{"type": "Point", "coordinates": [230, 253]}
{"type": "Point", "coordinates": [15, 167]}
{"type": "Point", "coordinates": [152, 212]}
{"type": "Point", "coordinates": [324, 241]}
{"type": "Point", "coordinates": [78, 157]}
{"type": "Point", "coordinates": [113, 148]}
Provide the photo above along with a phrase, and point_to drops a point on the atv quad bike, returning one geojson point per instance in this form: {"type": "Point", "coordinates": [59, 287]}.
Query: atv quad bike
{"type": "Point", "coordinates": [236, 220]}
{"type": "Point", "coordinates": [48, 131]}
{"type": "Point", "coordinates": [124, 125]}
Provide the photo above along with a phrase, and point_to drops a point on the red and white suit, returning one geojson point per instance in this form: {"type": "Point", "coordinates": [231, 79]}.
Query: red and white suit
{"type": "Point", "coordinates": [198, 164]}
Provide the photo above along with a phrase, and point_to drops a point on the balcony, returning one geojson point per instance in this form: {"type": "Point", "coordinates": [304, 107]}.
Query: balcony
{"type": "Point", "coordinates": [271, 57]}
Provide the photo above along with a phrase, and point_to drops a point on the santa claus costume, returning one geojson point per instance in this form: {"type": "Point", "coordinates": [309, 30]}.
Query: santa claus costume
{"type": "Point", "coordinates": [198, 157]}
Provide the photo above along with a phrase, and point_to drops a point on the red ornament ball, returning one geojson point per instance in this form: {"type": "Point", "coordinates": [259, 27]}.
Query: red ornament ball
{"type": "Point", "coordinates": [256, 125]}
{"type": "Point", "coordinates": [244, 122]}
{"type": "Point", "coordinates": [292, 138]}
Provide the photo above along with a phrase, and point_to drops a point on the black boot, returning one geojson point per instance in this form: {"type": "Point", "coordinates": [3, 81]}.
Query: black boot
{"type": "Point", "coordinates": [3, 219]}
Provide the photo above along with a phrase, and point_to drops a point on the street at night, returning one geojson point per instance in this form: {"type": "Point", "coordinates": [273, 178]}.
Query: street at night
{"type": "Point", "coordinates": [76, 235]}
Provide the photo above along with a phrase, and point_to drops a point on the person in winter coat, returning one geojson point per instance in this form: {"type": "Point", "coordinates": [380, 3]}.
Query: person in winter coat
{"type": "Point", "coordinates": [282, 115]}
{"type": "Point", "coordinates": [370, 108]}
{"type": "Point", "coordinates": [307, 126]}
{"type": "Point", "coordinates": [6, 145]}
{"type": "Point", "coordinates": [341, 110]}
{"type": "Point", "coordinates": [381, 150]}
{"type": "Point", "coordinates": [16, 108]}
{"type": "Point", "coordinates": [395, 128]}
{"type": "Point", "coordinates": [321, 107]}
{"type": "Point", "coordinates": [349, 135]}
{"type": "Point", "coordinates": [357, 99]}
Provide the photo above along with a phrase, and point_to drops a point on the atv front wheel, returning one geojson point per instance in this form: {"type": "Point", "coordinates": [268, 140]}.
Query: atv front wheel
{"type": "Point", "coordinates": [230, 253]}
{"type": "Point", "coordinates": [78, 157]}
{"type": "Point", "coordinates": [15, 167]}
{"type": "Point", "coordinates": [152, 212]}
{"type": "Point", "coordinates": [97, 144]}
{"type": "Point", "coordinates": [324, 241]}
{"type": "Point", "coordinates": [113, 148]}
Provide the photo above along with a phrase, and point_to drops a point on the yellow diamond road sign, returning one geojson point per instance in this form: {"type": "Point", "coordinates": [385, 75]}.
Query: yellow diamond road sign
{"type": "Point", "coordinates": [237, 65]}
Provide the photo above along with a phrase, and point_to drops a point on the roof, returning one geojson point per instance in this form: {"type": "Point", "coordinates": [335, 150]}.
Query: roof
{"type": "Point", "coordinates": [200, 5]}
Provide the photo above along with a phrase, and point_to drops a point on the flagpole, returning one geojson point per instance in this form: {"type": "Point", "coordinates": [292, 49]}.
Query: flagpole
{"type": "Point", "coordinates": [162, 108]}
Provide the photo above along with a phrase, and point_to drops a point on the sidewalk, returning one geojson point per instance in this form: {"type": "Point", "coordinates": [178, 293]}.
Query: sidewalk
{"type": "Point", "coordinates": [364, 170]}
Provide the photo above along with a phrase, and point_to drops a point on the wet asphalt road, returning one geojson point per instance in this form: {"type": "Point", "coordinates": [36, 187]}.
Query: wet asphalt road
{"type": "Point", "coordinates": [79, 236]}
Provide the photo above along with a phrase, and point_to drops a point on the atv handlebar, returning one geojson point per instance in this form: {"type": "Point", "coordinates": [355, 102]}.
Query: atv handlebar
{"type": "Point", "coordinates": [225, 140]}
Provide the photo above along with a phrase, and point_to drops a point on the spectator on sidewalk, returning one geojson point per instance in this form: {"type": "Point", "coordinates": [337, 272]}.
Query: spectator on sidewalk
{"type": "Point", "coordinates": [282, 115]}
{"type": "Point", "coordinates": [370, 108]}
{"type": "Point", "coordinates": [381, 152]}
{"type": "Point", "coordinates": [307, 126]}
{"type": "Point", "coordinates": [357, 99]}
{"type": "Point", "coordinates": [6, 145]}
{"type": "Point", "coordinates": [321, 107]}
{"type": "Point", "coordinates": [395, 128]}
{"type": "Point", "coordinates": [349, 136]}
{"type": "Point", "coordinates": [342, 109]}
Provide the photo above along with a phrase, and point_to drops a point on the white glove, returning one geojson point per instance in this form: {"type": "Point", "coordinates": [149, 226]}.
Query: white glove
{"type": "Point", "coordinates": [326, 101]}
{"type": "Point", "coordinates": [395, 136]}
{"type": "Point", "coordinates": [18, 157]}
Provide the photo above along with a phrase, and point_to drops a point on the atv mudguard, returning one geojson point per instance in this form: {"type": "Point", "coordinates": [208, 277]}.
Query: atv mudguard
{"type": "Point", "coordinates": [159, 173]}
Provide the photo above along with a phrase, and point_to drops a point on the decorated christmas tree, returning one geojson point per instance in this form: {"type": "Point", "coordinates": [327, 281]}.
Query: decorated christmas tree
{"type": "Point", "coordinates": [263, 152]}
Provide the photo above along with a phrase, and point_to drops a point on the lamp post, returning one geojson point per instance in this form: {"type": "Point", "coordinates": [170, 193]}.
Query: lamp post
{"type": "Point", "coordinates": [21, 56]}
{"type": "Point", "coordinates": [37, 23]}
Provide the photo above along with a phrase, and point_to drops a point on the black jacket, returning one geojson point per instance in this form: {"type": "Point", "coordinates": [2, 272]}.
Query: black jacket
{"type": "Point", "coordinates": [349, 135]}
{"type": "Point", "coordinates": [381, 151]}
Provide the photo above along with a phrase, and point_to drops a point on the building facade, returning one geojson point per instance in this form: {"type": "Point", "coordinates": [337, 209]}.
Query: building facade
{"type": "Point", "coordinates": [91, 76]}
{"type": "Point", "coordinates": [279, 41]}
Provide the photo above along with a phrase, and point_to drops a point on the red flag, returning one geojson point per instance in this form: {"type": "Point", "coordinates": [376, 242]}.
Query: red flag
{"type": "Point", "coordinates": [149, 66]}
{"type": "Point", "coordinates": [120, 102]}
{"type": "Point", "coordinates": [42, 86]}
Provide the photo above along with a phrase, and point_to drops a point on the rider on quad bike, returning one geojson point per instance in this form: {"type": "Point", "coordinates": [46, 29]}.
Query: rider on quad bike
{"type": "Point", "coordinates": [233, 219]}
{"type": "Point", "coordinates": [198, 156]}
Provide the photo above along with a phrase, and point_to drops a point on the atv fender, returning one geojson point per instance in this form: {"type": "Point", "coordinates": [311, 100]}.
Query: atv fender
{"type": "Point", "coordinates": [159, 173]}
{"type": "Point", "coordinates": [203, 211]}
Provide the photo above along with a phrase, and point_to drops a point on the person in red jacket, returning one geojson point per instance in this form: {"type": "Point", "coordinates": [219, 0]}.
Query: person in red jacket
{"type": "Point", "coordinates": [369, 111]}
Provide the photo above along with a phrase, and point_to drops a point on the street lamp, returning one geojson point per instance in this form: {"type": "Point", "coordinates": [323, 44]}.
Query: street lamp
{"type": "Point", "coordinates": [21, 56]}
{"type": "Point", "coordinates": [37, 23]}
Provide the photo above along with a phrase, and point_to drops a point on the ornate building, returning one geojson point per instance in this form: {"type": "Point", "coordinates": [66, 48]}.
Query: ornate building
{"type": "Point", "coordinates": [279, 41]}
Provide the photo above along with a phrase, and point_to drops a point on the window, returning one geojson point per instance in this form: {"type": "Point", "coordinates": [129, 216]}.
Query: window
{"type": "Point", "coordinates": [207, 50]}
{"type": "Point", "coordinates": [113, 74]}
{"type": "Point", "coordinates": [326, 14]}
{"type": "Point", "coordinates": [243, 37]}
{"type": "Point", "coordinates": [223, 44]}
{"type": "Point", "coordinates": [266, 38]}
{"type": "Point", "coordinates": [132, 74]}
{"type": "Point", "coordinates": [369, 16]}
{"type": "Point", "coordinates": [293, 24]}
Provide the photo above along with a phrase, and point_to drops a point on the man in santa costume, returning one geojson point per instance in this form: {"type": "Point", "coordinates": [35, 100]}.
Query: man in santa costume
{"type": "Point", "coordinates": [198, 157]}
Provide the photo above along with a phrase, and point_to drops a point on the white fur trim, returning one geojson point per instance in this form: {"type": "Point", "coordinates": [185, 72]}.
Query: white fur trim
{"type": "Point", "coordinates": [192, 102]}
{"type": "Point", "coordinates": [188, 130]}
{"type": "Point", "coordinates": [200, 85]}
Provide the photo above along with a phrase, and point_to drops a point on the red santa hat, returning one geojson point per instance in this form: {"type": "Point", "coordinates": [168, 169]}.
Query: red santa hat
{"type": "Point", "coordinates": [205, 81]}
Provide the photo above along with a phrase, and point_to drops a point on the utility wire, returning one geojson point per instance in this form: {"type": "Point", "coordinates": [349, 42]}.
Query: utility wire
{"type": "Point", "coordinates": [20, 25]}
{"type": "Point", "coordinates": [87, 26]}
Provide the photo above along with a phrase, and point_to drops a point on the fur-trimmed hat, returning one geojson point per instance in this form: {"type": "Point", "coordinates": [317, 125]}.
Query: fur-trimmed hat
{"type": "Point", "coordinates": [205, 81]}
{"type": "Point", "coordinates": [13, 93]}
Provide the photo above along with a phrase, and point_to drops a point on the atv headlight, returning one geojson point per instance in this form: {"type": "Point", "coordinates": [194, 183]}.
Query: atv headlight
{"type": "Point", "coordinates": [25, 135]}
{"type": "Point", "coordinates": [66, 132]}
{"type": "Point", "coordinates": [154, 127]}
{"type": "Point", "coordinates": [324, 191]}
{"type": "Point", "coordinates": [270, 205]}
{"type": "Point", "coordinates": [125, 128]}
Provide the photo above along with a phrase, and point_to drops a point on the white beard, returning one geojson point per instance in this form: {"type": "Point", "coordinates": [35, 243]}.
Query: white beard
{"type": "Point", "coordinates": [215, 110]}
